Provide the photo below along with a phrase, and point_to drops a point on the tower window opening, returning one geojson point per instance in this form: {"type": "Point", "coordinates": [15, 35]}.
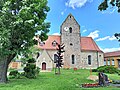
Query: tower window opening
{"type": "Point", "coordinates": [70, 29]}
{"type": "Point", "coordinates": [73, 59]}
{"type": "Point", "coordinates": [89, 59]}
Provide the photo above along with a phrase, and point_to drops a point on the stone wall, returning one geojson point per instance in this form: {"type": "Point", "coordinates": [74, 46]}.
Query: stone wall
{"type": "Point", "coordinates": [97, 59]}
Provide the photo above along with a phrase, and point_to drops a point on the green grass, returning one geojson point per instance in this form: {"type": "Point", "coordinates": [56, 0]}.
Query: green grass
{"type": "Point", "coordinates": [68, 80]}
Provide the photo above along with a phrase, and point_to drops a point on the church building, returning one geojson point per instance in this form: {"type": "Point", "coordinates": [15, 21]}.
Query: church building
{"type": "Point", "coordinates": [80, 52]}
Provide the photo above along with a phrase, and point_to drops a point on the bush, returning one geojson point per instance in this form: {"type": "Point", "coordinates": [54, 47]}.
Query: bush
{"type": "Point", "coordinates": [14, 74]}
{"type": "Point", "coordinates": [94, 70]}
{"type": "Point", "coordinates": [107, 69]}
{"type": "Point", "coordinates": [118, 72]}
{"type": "Point", "coordinates": [37, 70]}
{"type": "Point", "coordinates": [32, 60]}
{"type": "Point", "coordinates": [30, 70]}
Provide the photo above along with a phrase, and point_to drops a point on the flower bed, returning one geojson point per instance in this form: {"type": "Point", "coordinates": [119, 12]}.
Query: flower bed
{"type": "Point", "coordinates": [88, 85]}
{"type": "Point", "coordinates": [75, 69]}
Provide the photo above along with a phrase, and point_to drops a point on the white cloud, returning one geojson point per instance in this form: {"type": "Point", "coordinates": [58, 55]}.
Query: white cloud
{"type": "Point", "coordinates": [104, 38]}
{"type": "Point", "coordinates": [77, 3]}
{"type": "Point", "coordinates": [94, 34]}
{"type": "Point", "coordinates": [109, 49]}
{"type": "Point", "coordinates": [107, 37]}
{"type": "Point", "coordinates": [62, 13]}
{"type": "Point", "coordinates": [55, 34]}
{"type": "Point", "coordinates": [85, 30]}
{"type": "Point", "coordinates": [112, 38]}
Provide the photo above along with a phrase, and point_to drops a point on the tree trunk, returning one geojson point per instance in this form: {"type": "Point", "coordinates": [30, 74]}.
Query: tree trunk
{"type": "Point", "coordinates": [3, 71]}
{"type": "Point", "coordinates": [4, 62]}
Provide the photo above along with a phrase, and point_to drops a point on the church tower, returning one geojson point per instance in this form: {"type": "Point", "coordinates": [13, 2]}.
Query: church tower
{"type": "Point", "coordinates": [70, 36]}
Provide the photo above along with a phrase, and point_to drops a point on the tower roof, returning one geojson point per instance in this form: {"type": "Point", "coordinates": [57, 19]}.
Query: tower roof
{"type": "Point", "coordinates": [70, 15]}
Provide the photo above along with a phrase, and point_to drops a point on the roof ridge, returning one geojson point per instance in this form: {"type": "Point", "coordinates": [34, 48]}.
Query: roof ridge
{"type": "Point", "coordinates": [95, 45]}
{"type": "Point", "coordinates": [113, 51]}
{"type": "Point", "coordinates": [54, 35]}
{"type": "Point", "coordinates": [85, 37]}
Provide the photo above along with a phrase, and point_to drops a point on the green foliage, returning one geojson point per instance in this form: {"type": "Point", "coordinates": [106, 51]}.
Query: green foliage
{"type": "Point", "coordinates": [118, 72]}
{"type": "Point", "coordinates": [32, 60]}
{"type": "Point", "coordinates": [14, 74]}
{"type": "Point", "coordinates": [30, 70]}
{"type": "Point", "coordinates": [94, 70]}
{"type": "Point", "coordinates": [117, 35]}
{"type": "Point", "coordinates": [37, 70]}
{"type": "Point", "coordinates": [19, 20]}
{"type": "Point", "coordinates": [105, 4]}
{"type": "Point", "coordinates": [107, 69]}
{"type": "Point", "coordinates": [29, 54]}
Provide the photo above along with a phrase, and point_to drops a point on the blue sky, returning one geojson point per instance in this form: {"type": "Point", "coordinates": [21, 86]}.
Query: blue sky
{"type": "Point", "coordinates": [101, 26]}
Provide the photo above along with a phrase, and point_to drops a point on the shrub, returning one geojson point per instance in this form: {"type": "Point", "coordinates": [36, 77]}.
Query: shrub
{"type": "Point", "coordinates": [30, 70]}
{"type": "Point", "coordinates": [107, 69]}
{"type": "Point", "coordinates": [14, 74]}
{"type": "Point", "coordinates": [37, 70]}
{"type": "Point", "coordinates": [118, 72]}
{"type": "Point", "coordinates": [94, 70]}
{"type": "Point", "coordinates": [32, 60]}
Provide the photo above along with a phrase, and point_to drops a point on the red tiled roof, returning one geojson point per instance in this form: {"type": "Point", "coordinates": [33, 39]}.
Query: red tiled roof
{"type": "Point", "coordinates": [87, 43]}
{"type": "Point", "coordinates": [112, 54]}
{"type": "Point", "coordinates": [48, 42]}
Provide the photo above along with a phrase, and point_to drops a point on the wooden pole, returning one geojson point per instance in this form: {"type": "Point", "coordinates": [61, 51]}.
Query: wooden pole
{"type": "Point", "coordinates": [90, 71]}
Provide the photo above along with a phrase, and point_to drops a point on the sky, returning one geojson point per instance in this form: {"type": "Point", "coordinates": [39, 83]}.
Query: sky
{"type": "Point", "coordinates": [100, 25]}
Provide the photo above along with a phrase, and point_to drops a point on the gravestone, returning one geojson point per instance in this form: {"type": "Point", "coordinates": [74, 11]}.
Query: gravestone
{"type": "Point", "coordinates": [103, 79]}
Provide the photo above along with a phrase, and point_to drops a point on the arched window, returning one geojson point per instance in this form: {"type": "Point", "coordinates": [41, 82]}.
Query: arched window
{"type": "Point", "coordinates": [71, 44]}
{"type": "Point", "coordinates": [70, 29]}
{"type": "Point", "coordinates": [108, 61]}
{"type": "Point", "coordinates": [89, 59]}
{"type": "Point", "coordinates": [73, 59]}
{"type": "Point", "coordinates": [113, 62]}
{"type": "Point", "coordinates": [105, 62]}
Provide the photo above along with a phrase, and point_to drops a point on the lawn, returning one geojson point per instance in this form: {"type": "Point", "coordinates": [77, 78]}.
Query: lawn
{"type": "Point", "coordinates": [68, 80]}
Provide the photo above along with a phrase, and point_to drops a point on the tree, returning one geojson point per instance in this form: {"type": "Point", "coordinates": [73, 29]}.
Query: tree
{"type": "Point", "coordinates": [19, 20]}
{"type": "Point", "coordinates": [117, 35]}
{"type": "Point", "coordinates": [106, 3]}
{"type": "Point", "coordinates": [58, 58]}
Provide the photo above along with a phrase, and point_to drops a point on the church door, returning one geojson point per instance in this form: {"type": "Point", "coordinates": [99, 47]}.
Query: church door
{"type": "Point", "coordinates": [43, 66]}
